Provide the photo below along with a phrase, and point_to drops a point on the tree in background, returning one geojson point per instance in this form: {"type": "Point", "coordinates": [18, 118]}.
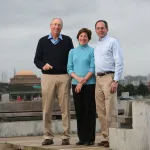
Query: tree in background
{"type": "Point", "coordinates": [120, 89]}
{"type": "Point", "coordinates": [142, 90]}
{"type": "Point", "coordinates": [131, 89]}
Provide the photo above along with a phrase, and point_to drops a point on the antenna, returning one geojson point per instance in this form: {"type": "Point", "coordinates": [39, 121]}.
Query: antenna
{"type": "Point", "coordinates": [14, 71]}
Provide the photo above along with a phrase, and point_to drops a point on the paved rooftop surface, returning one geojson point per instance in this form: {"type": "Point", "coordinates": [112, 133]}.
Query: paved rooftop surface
{"type": "Point", "coordinates": [34, 143]}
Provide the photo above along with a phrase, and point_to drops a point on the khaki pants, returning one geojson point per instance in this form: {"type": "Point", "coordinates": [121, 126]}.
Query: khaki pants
{"type": "Point", "coordinates": [106, 103]}
{"type": "Point", "coordinates": [52, 86]}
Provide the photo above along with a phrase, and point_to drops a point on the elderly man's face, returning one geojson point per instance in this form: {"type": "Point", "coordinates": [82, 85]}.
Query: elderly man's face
{"type": "Point", "coordinates": [56, 26]}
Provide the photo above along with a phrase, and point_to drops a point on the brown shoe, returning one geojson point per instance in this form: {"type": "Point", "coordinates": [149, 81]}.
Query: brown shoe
{"type": "Point", "coordinates": [102, 143]}
{"type": "Point", "coordinates": [65, 142]}
{"type": "Point", "coordinates": [106, 144]}
{"type": "Point", "coordinates": [47, 142]}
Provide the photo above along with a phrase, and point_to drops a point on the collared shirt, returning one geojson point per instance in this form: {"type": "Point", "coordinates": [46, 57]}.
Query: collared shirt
{"type": "Point", "coordinates": [108, 57]}
{"type": "Point", "coordinates": [50, 37]}
{"type": "Point", "coordinates": [81, 61]}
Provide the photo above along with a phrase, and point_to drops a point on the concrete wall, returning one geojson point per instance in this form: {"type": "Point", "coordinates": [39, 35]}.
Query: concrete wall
{"type": "Point", "coordinates": [137, 138]}
{"type": "Point", "coordinates": [34, 128]}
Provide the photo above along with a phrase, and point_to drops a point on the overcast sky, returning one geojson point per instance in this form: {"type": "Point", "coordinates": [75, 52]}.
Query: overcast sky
{"type": "Point", "coordinates": [23, 22]}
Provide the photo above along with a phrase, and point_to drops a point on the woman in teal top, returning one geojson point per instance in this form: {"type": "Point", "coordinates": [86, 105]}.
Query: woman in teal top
{"type": "Point", "coordinates": [81, 68]}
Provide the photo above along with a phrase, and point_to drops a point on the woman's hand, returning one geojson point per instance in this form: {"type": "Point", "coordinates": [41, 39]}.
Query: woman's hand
{"type": "Point", "coordinates": [81, 80]}
{"type": "Point", "coordinates": [78, 88]}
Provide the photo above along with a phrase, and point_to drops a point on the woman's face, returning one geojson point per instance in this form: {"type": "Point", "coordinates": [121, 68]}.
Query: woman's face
{"type": "Point", "coordinates": [83, 38]}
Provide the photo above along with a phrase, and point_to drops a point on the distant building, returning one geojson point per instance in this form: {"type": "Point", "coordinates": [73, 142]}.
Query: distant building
{"type": "Point", "coordinates": [4, 77]}
{"type": "Point", "coordinates": [25, 77]}
{"type": "Point", "coordinates": [148, 78]}
{"type": "Point", "coordinates": [122, 82]}
{"type": "Point", "coordinates": [135, 80]}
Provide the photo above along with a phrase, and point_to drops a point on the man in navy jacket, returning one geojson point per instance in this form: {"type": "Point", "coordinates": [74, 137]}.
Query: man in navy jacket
{"type": "Point", "coordinates": [51, 57]}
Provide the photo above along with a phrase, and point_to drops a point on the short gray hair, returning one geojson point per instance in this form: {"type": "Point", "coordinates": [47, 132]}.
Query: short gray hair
{"type": "Point", "coordinates": [59, 19]}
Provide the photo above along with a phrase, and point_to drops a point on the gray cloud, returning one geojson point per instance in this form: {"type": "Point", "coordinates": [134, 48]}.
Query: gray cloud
{"type": "Point", "coordinates": [23, 22]}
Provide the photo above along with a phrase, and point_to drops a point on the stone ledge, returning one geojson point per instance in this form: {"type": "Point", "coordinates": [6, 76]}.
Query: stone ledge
{"type": "Point", "coordinates": [35, 128]}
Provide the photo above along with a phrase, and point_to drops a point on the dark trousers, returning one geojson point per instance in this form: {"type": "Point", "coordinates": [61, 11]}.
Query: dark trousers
{"type": "Point", "coordinates": [85, 112]}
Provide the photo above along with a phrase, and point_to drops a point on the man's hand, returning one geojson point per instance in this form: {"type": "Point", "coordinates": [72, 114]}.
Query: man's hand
{"type": "Point", "coordinates": [47, 67]}
{"type": "Point", "coordinates": [78, 88]}
{"type": "Point", "coordinates": [114, 87]}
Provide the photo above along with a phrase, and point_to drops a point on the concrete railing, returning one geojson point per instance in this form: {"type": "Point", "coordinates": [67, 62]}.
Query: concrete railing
{"type": "Point", "coordinates": [25, 118]}
{"type": "Point", "coordinates": [137, 138]}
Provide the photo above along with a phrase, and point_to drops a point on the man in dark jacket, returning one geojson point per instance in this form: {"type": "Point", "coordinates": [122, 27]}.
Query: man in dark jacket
{"type": "Point", "coordinates": [51, 57]}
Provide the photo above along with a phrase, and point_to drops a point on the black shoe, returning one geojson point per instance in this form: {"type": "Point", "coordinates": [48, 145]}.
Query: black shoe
{"type": "Point", "coordinates": [89, 143]}
{"type": "Point", "coordinates": [47, 142]}
{"type": "Point", "coordinates": [65, 142]}
{"type": "Point", "coordinates": [80, 143]}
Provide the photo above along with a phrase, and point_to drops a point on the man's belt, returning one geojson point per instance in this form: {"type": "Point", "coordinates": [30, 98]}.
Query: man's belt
{"type": "Point", "coordinates": [104, 73]}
